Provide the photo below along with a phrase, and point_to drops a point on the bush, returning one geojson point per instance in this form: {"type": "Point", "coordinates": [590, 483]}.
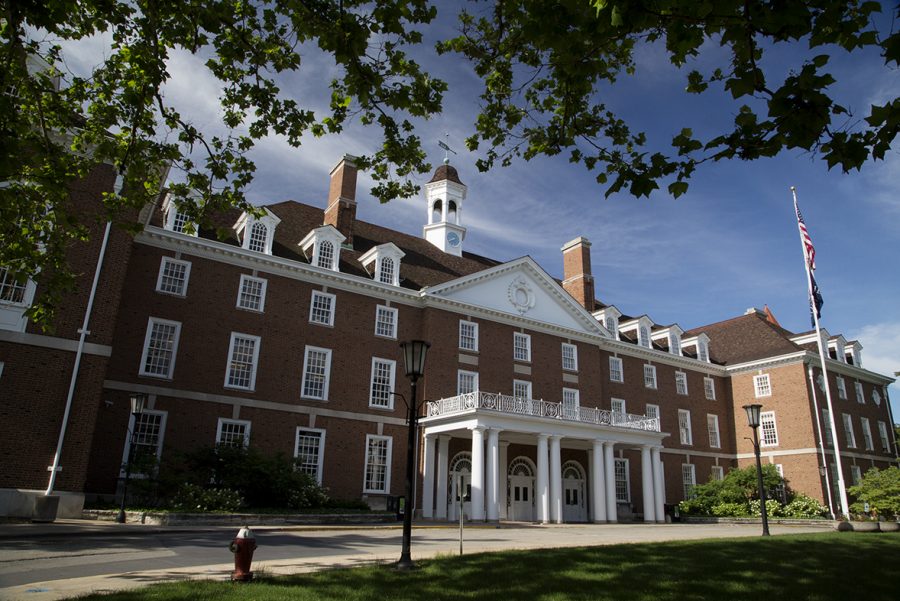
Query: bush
{"type": "Point", "coordinates": [736, 510]}
{"type": "Point", "coordinates": [191, 497]}
{"type": "Point", "coordinates": [773, 508]}
{"type": "Point", "coordinates": [881, 490]}
{"type": "Point", "coordinates": [737, 488]}
{"type": "Point", "coordinates": [804, 507]}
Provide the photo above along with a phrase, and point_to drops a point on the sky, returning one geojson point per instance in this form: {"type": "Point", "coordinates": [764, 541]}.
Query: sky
{"type": "Point", "coordinates": [729, 243]}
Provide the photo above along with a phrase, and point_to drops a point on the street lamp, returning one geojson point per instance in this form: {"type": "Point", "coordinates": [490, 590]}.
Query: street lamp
{"type": "Point", "coordinates": [753, 421]}
{"type": "Point", "coordinates": [138, 402]}
{"type": "Point", "coordinates": [414, 361]}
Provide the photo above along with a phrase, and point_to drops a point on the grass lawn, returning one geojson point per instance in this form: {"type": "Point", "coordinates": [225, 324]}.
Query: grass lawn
{"type": "Point", "coordinates": [829, 566]}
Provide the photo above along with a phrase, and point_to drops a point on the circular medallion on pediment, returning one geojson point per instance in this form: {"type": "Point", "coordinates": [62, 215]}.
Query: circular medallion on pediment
{"type": "Point", "coordinates": [520, 295]}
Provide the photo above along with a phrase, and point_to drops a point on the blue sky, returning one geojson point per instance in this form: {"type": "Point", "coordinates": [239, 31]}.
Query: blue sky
{"type": "Point", "coordinates": [730, 243]}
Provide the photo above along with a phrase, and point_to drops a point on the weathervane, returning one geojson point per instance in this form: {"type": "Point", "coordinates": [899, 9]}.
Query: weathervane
{"type": "Point", "coordinates": [447, 149]}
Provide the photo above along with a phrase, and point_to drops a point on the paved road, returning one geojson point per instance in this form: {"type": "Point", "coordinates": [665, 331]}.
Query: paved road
{"type": "Point", "coordinates": [43, 563]}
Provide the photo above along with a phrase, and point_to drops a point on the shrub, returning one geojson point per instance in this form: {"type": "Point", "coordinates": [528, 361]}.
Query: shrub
{"type": "Point", "coordinates": [724, 510]}
{"type": "Point", "coordinates": [191, 497]}
{"type": "Point", "coordinates": [881, 490]}
{"type": "Point", "coordinates": [803, 506]}
{"type": "Point", "coordinates": [773, 508]}
{"type": "Point", "coordinates": [737, 488]}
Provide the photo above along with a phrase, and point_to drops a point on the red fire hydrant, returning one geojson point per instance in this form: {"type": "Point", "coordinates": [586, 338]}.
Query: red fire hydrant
{"type": "Point", "coordinates": [243, 546]}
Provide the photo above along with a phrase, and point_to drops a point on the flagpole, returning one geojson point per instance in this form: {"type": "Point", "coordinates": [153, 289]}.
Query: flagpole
{"type": "Point", "coordinates": [812, 385]}
{"type": "Point", "coordinates": [842, 489]}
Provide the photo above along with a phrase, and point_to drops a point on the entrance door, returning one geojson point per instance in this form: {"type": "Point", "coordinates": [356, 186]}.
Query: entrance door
{"type": "Point", "coordinates": [521, 498]}
{"type": "Point", "coordinates": [574, 506]}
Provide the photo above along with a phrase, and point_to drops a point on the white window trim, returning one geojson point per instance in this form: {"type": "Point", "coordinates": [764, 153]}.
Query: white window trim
{"type": "Point", "coordinates": [463, 324]}
{"type": "Point", "coordinates": [262, 293]}
{"type": "Point", "coordinates": [882, 431]}
{"type": "Point", "coordinates": [527, 339]}
{"type": "Point", "coordinates": [762, 437]}
{"type": "Point", "coordinates": [159, 447]}
{"type": "Point", "coordinates": [617, 361]}
{"type": "Point", "coordinates": [387, 467]}
{"type": "Point", "coordinates": [650, 380]}
{"type": "Point", "coordinates": [681, 377]}
{"type": "Point", "coordinates": [395, 324]}
{"type": "Point", "coordinates": [690, 480]}
{"type": "Point", "coordinates": [320, 460]}
{"type": "Point", "coordinates": [709, 388]}
{"type": "Point", "coordinates": [716, 472]}
{"type": "Point", "coordinates": [686, 438]}
{"type": "Point", "coordinates": [187, 276]}
{"type": "Point", "coordinates": [842, 388]}
{"type": "Point", "coordinates": [848, 430]}
{"type": "Point", "coordinates": [257, 342]}
{"type": "Point", "coordinates": [620, 402]}
{"type": "Point", "coordinates": [459, 374]}
{"type": "Point", "coordinates": [647, 410]}
{"type": "Point", "coordinates": [868, 441]}
{"type": "Point", "coordinates": [391, 384]}
{"type": "Point", "coordinates": [524, 383]}
{"type": "Point", "coordinates": [762, 386]}
{"type": "Point", "coordinates": [627, 472]}
{"type": "Point", "coordinates": [577, 399]}
{"type": "Point", "coordinates": [225, 420]}
{"type": "Point", "coordinates": [574, 348]}
{"type": "Point", "coordinates": [327, 382]}
{"type": "Point", "coordinates": [860, 393]}
{"type": "Point", "coordinates": [312, 303]}
{"type": "Point", "coordinates": [855, 475]}
{"type": "Point", "coordinates": [147, 336]}
{"type": "Point", "coordinates": [712, 427]}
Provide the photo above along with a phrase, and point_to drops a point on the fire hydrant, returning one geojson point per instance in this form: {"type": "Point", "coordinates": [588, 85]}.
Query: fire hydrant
{"type": "Point", "coordinates": [243, 546]}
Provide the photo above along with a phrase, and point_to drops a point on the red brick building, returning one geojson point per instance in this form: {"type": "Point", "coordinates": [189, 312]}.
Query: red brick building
{"type": "Point", "coordinates": [543, 404]}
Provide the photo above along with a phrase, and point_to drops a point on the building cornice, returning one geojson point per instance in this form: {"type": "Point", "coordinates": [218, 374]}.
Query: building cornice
{"type": "Point", "coordinates": [808, 357]}
{"type": "Point", "coordinates": [662, 357]}
{"type": "Point", "coordinates": [54, 342]}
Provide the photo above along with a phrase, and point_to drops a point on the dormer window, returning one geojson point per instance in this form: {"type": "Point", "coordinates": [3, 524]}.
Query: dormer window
{"type": "Point", "coordinates": [853, 354]}
{"type": "Point", "coordinates": [838, 345]}
{"type": "Point", "coordinates": [16, 296]}
{"type": "Point", "coordinates": [703, 351]}
{"type": "Point", "coordinates": [644, 336]}
{"type": "Point", "coordinates": [641, 328]}
{"type": "Point", "coordinates": [672, 336]}
{"type": "Point", "coordinates": [701, 342]}
{"type": "Point", "coordinates": [175, 219]}
{"type": "Point", "coordinates": [322, 247]}
{"type": "Point", "coordinates": [609, 317]}
{"type": "Point", "coordinates": [384, 259]}
{"type": "Point", "coordinates": [257, 233]}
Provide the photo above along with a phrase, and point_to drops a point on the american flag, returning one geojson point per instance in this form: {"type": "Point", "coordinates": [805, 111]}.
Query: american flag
{"type": "Point", "coordinates": [807, 241]}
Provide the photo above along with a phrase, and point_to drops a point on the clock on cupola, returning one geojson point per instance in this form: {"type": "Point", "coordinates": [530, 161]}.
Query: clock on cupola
{"type": "Point", "coordinates": [444, 196]}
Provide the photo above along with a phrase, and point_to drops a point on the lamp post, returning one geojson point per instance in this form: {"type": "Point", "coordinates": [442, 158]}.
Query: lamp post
{"type": "Point", "coordinates": [138, 402]}
{"type": "Point", "coordinates": [753, 422]}
{"type": "Point", "coordinates": [414, 361]}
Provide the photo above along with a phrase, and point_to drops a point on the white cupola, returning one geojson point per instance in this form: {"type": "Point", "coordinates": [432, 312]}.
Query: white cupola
{"type": "Point", "coordinates": [444, 196]}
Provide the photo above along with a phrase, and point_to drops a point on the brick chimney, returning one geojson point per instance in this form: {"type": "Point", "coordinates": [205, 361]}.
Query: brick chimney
{"type": "Point", "coordinates": [341, 210]}
{"type": "Point", "coordinates": [577, 271]}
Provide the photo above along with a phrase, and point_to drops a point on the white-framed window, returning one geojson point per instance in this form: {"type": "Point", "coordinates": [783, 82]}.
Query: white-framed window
{"type": "Point", "coordinates": [13, 289]}
{"type": "Point", "coordinates": [842, 388]}
{"type": "Point", "coordinates": [855, 475]}
{"type": "Point", "coordinates": [868, 443]}
{"type": "Point", "coordinates": [233, 433]}
{"type": "Point", "coordinates": [702, 351]}
{"type": "Point", "coordinates": [382, 385]}
{"type": "Point", "coordinates": [571, 403]}
{"type": "Point", "coordinates": [252, 293]}
{"type": "Point", "coordinates": [521, 347]}
{"type": "Point", "coordinates": [259, 237]}
{"type": "Point", "coordinates": [860, 396]}
{"type": "Point", "coordinates": [616, 374]}
{"type": "Point", "coordinates": [876, 397]}
{"type": "Point", "coordinates": [569, 357]}
{"type": "Point", "coordinates": [316, 373]}
{"type": "Point", "coordinates": [466, 381]}
{"type": "Point", "coordinates": [321, 308]}
{"type": "Point", "coordinates": [684, 427]}
{"type": "Point", "coordinates": [173, 276]}
{"type": "Point", "coordinates": [177, 220]}
{"type": "Point", "coordinates": [521, 389]}
{"type": "Point", "coordinates": [848, 431]}
{"type": "Point", "coordinates": [651, 411]}
{"type": "Point", "coordinates": [675, 344]}
{"type": "Point", "coordinates": [882, 433]}
{"type": "Point", "coordinates": [644, 336]}
{"type": "Point", "coordinates": [712, 426]}
{"type": "Point", "coordinates": [826, 427]}
{"type": "Point", "coordinates": [160, 348]}
{"type": "Point", "coordinates": [468, 335]}
{"type": "Point", "coordinates": [309, 452]}
{"type": "Point", "coordinates": [769, 433]}
{"type": "Point", "coordinates": [709, 388]}
{"type": "Point", "coordinates": [612, 324]}
{"type": "Point", "coordinates": [650, 376]}
{"type": "Point", "coordinates": [623, 484]}
{"type": "Point", "coordinates": [688, 479]}
{"type": "Point", "coordinates": [386, 322]}
{"type": "Point", "coordinates": [762, 387]}
{"type": "Point", "coordinates": [326, 257]}
{"type": "Point", "coordinates": [716, 472]}
{"type": "Point", "coordinates": [243, 357]}
{"type": "Point", "coordinates": [617, 406]}
{"type": "Point", "coordinates": [681, 382]}
{"type": "Point", "coordinates": [377, 477]}
{"type": "Point", "coordinates": [387, 271]}
{"type": "Point", "coordinates": [149, 428]}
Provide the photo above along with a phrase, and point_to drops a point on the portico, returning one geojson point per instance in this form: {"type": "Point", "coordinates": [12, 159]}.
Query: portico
{"type": "Point", "coordinates": [492, 485]}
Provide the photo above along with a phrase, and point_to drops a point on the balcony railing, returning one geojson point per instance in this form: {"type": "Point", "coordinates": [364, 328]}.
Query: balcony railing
{"type": "Point", "coordinates": [505, 403]}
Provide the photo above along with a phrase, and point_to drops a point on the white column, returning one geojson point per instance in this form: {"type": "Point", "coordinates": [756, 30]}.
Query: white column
{"type": "Point", "coordinates": [598, 482]}
{"type": "Point", "coordinates": [659, 493]}
{"type": "Point", "coordinates": [443, 460]}
{"type": "Point", "coordinates": [504, 480]}
{"type": "Point", "coordinates": [612, 514]}
{"type": "Point", "coordinates": [647, 478]}
{"type": "Point", "coordinates": [478, 473]}
{"type": "Point", "coordinates": [543, 495]}
{"type": "Point", "coordinates": [555, 481]}
{"type": "Point", "coordinates": [428, 479]}
{"type": "Point", "coordinates": [493, 475]}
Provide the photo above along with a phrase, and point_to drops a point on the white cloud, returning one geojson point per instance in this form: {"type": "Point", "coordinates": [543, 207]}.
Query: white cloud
{"type": "Point", "coordinates": [881, 353]}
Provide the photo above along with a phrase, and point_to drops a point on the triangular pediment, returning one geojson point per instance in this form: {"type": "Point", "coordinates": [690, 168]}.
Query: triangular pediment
{"type": "Point", "coordinates": [519, 288]}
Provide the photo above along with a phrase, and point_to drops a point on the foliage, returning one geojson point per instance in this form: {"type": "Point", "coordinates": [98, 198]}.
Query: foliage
{"type": "Point", "coordinates": [724, 510]}
{"type": "Point", "coordinates": [773, 508]}
{"type": "Point", "coordinates": [195, 498]}
{"type": "Point", "coordinates": [261, 480]}
{"type": "Point", "coordinates": [548, 67]}
{"type": "Point", "coordinates": [804, 507]}
{"type": "Point", "coordinates": [737, 488]}
{"type": "Point", "coordinates": [881, 490]}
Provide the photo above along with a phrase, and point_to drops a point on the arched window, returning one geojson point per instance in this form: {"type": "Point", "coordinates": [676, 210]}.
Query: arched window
{"type": "Point", "coordinates": [521, 466]}
{"type": "Point", "coordinates": [451, 212]}
{"type": "Point", "coordinates": [326, 255]}
{"type": "Point", "coordinates": [437, 210]}
{"type": "Point", "coordinates": [386, 275]}
{"type": "Point", "coordinates": [258, 237]}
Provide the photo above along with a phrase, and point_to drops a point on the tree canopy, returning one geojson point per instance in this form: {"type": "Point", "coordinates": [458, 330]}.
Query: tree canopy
{"type": "Point", "coordinates": [546, 67]}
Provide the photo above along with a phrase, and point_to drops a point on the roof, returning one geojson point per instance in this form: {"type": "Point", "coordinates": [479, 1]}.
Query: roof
{"type": "Point", "coordinates": [746, 338]}
{"type": "Point", "coordinates": [445, 172]}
